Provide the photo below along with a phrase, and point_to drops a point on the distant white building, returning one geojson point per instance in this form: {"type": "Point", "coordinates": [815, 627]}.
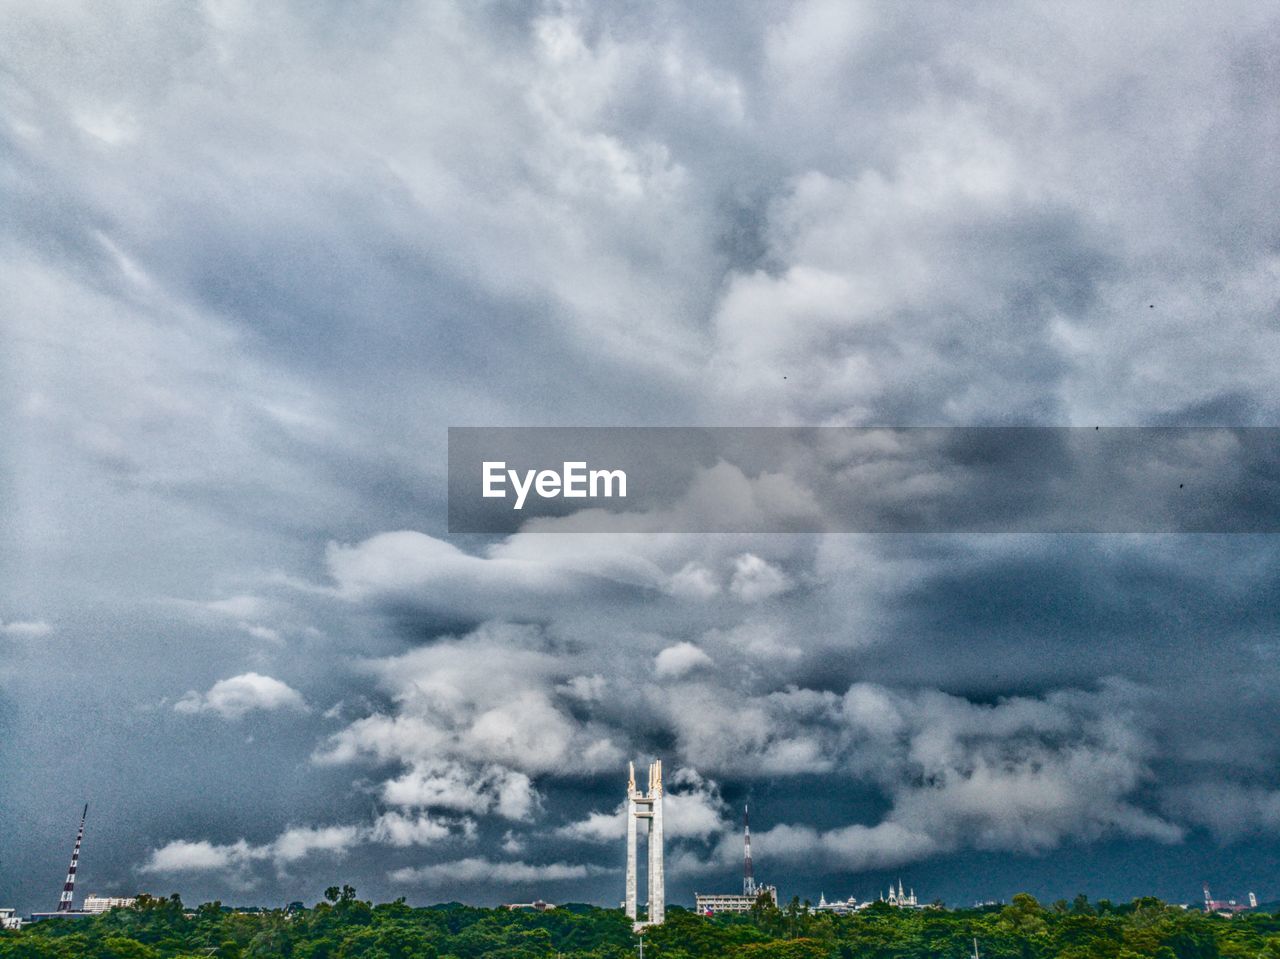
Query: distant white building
{"type": "Point", "coordinates": [537, 905]}
{"type": "Point", "coordinates": [841, 907]}
{"type": "Point", "coordinates": [898, 897]}
{"type": "Point", "coordinates": [708, 904]}
{"type": "Point", "coordinates": [96, 904]}
{"type": "Point", "coordinates": [901, 898]}
{"type": "Point", "coordinates": [9, 919]}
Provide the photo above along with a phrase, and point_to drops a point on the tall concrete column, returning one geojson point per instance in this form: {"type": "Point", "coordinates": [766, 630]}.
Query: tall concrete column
{"type": "Point", "coordinates": [631, 858]}
{"type": "Point", "coordinates": [657, 886]}
{"type": "Point", "coordinates": [646, 805]}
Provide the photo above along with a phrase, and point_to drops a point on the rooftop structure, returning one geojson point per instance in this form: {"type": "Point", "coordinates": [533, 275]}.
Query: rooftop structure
{"type": "Point", "coordinates": [95, 904]}
{"type": "Point", "coordinates": [537, 905]}
{"type": "Point", "coordinates": [9, 919]}
{"type": "Point", "coordinates": [841, 907]}
{"type": "Point", "coordinates": [709, 904]}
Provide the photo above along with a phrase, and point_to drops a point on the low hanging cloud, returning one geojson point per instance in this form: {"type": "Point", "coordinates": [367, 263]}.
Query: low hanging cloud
{"type": "Point", "coordinates": [237, 696]}
{"type": "Point", "coordinates": [725, 729]}
{"type": "Point", "coordinates": [25, 629]}
{"type": "Point", "coordinates": [535, 572]}
{"type": "Point", "coordinates": [463, 788]}
{"type": "Point", "coordinates": [1022, 775]}
{"type": "Point", "coordinates": [397, 829]}
{"type": "Point", "coordinates": [478, 870]}
{"type": "Point", "coordinates": [404, 563]}
{"type": "Point", "coordinates": [1230, 810]}
{"type": "Point", "coordinates": [853, 848]}
{"type": "Point", "coordinates": [183, 855]}
{"type": "Point", "coordinates": [289, 847]}
{"type": "Point", "coordinates": [488, 700]}
{"type": "Point", "coordinates": [237, 859]}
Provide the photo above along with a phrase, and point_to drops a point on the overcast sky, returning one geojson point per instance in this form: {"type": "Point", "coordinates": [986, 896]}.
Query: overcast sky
{"type": "Point", "coordinates": [256, 260]}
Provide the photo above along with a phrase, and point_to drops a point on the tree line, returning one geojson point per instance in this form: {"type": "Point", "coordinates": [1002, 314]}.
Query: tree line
{"type": "Point", "coordinates": [346, 927]}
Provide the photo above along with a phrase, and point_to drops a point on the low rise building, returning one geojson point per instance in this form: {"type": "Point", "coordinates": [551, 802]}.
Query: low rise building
{"type": "Point", "coordinates": [9, 919]}
{"type": "Point", "coordinates": [96, 904]}
{"type": "Point", "coordinates": [840, 907]}
{"type": "Point", "coordinates": [708, 904]}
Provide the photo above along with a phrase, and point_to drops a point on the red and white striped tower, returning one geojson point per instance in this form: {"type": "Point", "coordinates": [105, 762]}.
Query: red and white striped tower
{"type": "Point", "coordinates": [748, 879]}
{"type": "Point", "coordinates": [69, 887]}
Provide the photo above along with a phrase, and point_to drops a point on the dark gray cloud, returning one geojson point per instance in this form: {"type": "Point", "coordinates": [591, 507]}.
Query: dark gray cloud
{"type": "Point", "coordinates": [257, 261]}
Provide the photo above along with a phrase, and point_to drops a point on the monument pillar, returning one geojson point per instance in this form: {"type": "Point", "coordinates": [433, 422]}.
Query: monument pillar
{"type": "Point", "coordinates": [646, 805]}
{"type": "Point", "coordinates": [631, 845]}
{"type": "Point", "coordinates": [657, 883]}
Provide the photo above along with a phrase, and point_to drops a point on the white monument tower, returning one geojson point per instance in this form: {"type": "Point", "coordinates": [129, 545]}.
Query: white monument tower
{"type": "Point", "coordinates": [647, 805]}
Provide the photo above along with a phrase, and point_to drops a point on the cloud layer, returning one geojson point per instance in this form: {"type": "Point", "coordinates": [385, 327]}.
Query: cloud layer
{"type": "Point", "coordinates": [258, 261]}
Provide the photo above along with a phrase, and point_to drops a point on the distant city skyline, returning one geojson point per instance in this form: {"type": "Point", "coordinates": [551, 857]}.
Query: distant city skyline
{"type": "Point", "coordinates": [710, 903]}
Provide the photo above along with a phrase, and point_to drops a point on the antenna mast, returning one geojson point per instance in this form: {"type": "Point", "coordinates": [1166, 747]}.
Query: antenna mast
{"type": "Point", "coordinates": [748, 879]}
{"type": "Point", "coordinates": [69, 887]}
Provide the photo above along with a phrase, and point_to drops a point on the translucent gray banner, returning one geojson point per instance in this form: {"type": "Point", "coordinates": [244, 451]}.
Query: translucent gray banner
{"type": "Point", "coordinates": [853, 479]}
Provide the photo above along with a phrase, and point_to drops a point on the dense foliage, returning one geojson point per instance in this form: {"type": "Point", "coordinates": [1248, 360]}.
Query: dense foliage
{"type": "Point", "coordinates": [344, 927]}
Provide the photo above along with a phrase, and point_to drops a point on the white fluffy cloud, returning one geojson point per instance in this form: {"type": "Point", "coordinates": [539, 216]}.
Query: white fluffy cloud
{"type": "Point", "coordinates": [297, 843]}
{"type": "Point", "coordinates": [182, 855]}
{"type": "Point", "coordinates": [1023, 774]}
{"type": "Point", "coordinates": [754, 579]}
{"type": "Point", "coordinates": [724, 729]}
{"type": "Point", "coordinates": [396, 829]}
{"type": "Point", "coordinates": [679, 660]}
{"type": "Point", "coordinates": [233, 698]}
{"type": "Point", "coordinates": [537, 571]}
{"type": "Point", "coordinates": [463, 788]}
{"type": "Point", "coordinates": [488, 699]}
{"type": "Point", "coordinates": [289, 847]}
{"type": "Point", "coordinates": [406, 563]}
{"type": "Point", "coordinates": [694, 580]}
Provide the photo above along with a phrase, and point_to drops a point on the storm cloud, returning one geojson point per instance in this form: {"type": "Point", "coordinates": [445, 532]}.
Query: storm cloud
{"type": "Point", "coordinates": [257, 261]}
